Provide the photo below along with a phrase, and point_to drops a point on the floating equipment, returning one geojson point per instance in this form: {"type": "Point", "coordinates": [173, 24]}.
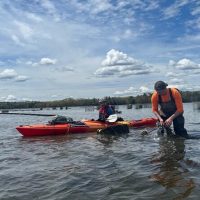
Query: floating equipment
{"type": "Point", "coordinates": [119, 129]}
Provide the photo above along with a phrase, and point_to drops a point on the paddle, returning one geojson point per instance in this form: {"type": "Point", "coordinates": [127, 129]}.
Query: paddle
{"type": "Point", "coordinates": [112, 118]}
{"type": "Point", "coordinates": [36, 114]}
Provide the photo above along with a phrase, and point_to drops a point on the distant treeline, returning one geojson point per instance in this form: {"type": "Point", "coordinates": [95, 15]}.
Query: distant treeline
{"type": "Point", "coordinates": [69, 102]}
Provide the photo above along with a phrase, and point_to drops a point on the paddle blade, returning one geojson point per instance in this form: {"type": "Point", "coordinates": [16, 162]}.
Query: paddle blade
{"type": "Point", "coordinates": [112, 118]}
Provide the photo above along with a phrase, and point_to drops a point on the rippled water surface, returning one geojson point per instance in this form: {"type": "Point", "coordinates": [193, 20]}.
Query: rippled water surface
{"type": "Point", "coordinates": [87, 166]}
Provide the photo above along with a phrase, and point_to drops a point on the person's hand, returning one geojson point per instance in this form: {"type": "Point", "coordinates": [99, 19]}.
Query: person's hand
{"type": "Point", "coordinates": [168, 122]}
{"type": "Point", "coordinates": [161, 122]}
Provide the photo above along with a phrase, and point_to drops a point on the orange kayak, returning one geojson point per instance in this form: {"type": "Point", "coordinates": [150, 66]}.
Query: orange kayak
{"type": "Point", "coordinates": [94, 125]}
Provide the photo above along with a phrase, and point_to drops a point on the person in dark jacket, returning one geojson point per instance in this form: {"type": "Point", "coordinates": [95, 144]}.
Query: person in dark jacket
{"type": "Point", "coordinates": [171, 107]}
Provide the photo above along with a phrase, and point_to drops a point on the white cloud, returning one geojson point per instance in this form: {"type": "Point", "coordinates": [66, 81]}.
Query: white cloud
{"type": "Point", "coordinates": [92, 6]}
{"type": "Point", "coordinates": [8, 74]}
{"type": "Point", "coordinates": [10, 97]}
{"type": "Point", "coordinates": [43, 61]}
{"type": "Point", "coordinates": [196, 88]}
{"type": "Point", "coordinates": [11, 74]}
{"type": "Point", "coordinates": [172, 63]}
{"type": "Point", "coordinates": [26, 99]}
{"type": "Point", "coordinates": [24, 29]}
{"type": "Point", "coordinates": [176, 81]}
{"type": "Point", "coordinates": [49, 6]}
{"type": "Point", "coordinates": [194, 24]}
{"type": "Point", "coordinates": [120, 64]}
{"type": "Point", "coordinates": [17, 40]}
{"type": "Point", "coordinates": [55, 96]}
{"type": "Point", "coordinates": [115, 57]}
{"type": "Point", "coordinates": [128, 34]}
{"type": "Point", "coordinates": [185, 64]}
{"type": "Point", "coordinates": [170, 12]}
{"type": "Point", "coordinates": [174, 9]}
{"type": "Point", "coordinates": [21, 78]}
{"type": "Point", "coordinates": [196, 10]}
{"type": "Point", "coordinates": [181, 87]}
{"type": "Point", "coordinates": [129, 91]}
{"type": "Point", "coordinates": [194, 39]}
{"type": "Point", "coordinates": [13, 98]}
{"type": "Point", "coordinates": [144, 89]}
{"type": "Point", "coordinates": [152, 5]}
{"type": "Point", "coordinates": [47, 61]}
{"type": "Point", "coordinates": [133, 91]}
{"type": "Point", "coordinates": [29, 63]}
{"type": "Point", "coordinates": [100, 6]}
{"type": "Point", "coordinates": [64, 69]}
{"type": "Point", "coordinates": [173, 74]}
{"type": "Point", "coordinates": [34, 17]}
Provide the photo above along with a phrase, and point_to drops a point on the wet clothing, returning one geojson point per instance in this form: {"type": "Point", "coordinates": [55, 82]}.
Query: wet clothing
{"type": "Point", "coordinates": [166, 98]}
{"type": "Point", "coordinates": [169, 104]}
{"type": "Point", "coordinates": [105, 111]}
{"type": "Point", "coordinates": [178, 124]}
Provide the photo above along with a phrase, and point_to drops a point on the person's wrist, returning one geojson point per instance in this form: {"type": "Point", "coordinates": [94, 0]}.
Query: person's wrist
{"type": "Point", "coordinates": [172, 118]}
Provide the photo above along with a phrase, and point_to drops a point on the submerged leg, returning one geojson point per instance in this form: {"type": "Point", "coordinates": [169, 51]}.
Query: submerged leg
{"type": "Point", "coordinates": [179, 127]}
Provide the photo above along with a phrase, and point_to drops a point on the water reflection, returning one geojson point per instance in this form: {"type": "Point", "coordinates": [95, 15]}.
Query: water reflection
{"type": "Point", "coordinates": [55, 138]}
{"type": "Point", "coordinates": [196, 106]}
{"type": "Point", "coordinates": [172, 172]}
{"type": "Point", "coordinates": [109, 139]}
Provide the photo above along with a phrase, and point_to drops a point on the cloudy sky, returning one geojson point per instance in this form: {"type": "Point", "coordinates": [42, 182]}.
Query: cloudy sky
{"type": "Point", "coordinates": [55, 49]}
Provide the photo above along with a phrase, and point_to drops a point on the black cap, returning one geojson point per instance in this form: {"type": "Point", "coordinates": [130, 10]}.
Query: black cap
{"type": "Point", "coordinates": [160, 85]}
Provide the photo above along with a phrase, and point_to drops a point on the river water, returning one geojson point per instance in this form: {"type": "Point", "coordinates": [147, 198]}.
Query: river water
{"type": "Point", "coordinates": [87, 166]}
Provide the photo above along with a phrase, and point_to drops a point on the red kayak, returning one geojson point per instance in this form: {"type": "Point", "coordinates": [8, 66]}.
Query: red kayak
{"type": "Point", "coordinates": [143, 122]}
{"type": "Point", "coordinates": [49, 129]}
{"type": "Point", "coordinates": [78, 127]}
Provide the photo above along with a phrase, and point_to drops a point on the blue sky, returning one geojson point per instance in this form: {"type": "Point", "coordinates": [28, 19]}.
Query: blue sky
{"type": "Point", "coordinates": [55, 49]}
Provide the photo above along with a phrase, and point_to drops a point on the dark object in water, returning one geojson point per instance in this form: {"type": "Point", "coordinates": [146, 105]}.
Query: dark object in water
{"type": "Point", "coordinates": [118, 112]}
{"type": "Point", "coordinates": [5, 111]}
{"type": "Point", "coordinates": [138, 106]}
{"type": "Point", "coordinates": [144, 132]}
{"type": "Point", "coordinates": [114, 130]}
{"type": "Point", "coordinates": [129, 106]}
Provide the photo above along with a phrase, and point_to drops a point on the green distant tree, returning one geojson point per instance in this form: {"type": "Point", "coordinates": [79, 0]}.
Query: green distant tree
{"type": "Point", "coordinates": [188, 96]}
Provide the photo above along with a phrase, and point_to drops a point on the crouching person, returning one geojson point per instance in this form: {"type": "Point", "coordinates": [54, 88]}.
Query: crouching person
{"type": "Point", "coordinates": [171, 106]}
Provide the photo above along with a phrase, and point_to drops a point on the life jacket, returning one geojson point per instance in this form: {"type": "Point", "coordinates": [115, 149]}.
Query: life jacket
{"type": "Point", "coordinates": [168, 108]}
{"type": "Point", "coordinates": [105, 111]}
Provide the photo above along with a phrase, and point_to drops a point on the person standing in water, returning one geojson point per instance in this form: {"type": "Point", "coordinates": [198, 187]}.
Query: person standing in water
{"type": "Point", "coordinates": [171, 108]}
